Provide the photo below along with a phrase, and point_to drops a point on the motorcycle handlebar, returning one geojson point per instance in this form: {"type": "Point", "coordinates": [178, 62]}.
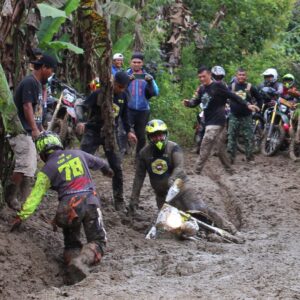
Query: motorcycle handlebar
{"type": "Point", "coordinates": [63, 85]}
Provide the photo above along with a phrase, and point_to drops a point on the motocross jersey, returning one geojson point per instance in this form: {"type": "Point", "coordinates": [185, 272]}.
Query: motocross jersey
{"type": "Point", "coordinates": [291, 94]}
{"type": "Point", "coordinates": [67, 172]}
{"type": "Point", "coordinates": [162, 166]}
{"type": "Point", "coordinates": [277, 86]}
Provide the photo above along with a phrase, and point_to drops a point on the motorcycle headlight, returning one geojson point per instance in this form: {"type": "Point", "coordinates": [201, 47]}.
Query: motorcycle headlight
{"type": "Point", "coordinates": [174, 221]}
{"type": "Point", "coordinates": [283, 108]}
{"type": "Point", "coordinates": [169, 218]}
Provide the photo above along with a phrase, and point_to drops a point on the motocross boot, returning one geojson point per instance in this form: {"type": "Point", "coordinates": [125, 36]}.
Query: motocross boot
{"type": "Point", "coordinates": [70, 254]}
{"type": "Point", "coordinates": [11, 194]}
{"type": "Point", "coordinates": [78, 268]}
{"type": "Point", "coordinates": [25, 188]}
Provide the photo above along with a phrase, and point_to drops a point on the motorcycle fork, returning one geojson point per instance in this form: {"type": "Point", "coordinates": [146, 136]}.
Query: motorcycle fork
{"type": "Point", "coordinates": [272, 121]}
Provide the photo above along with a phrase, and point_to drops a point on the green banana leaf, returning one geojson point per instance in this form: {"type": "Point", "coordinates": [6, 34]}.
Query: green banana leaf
{"type": "Point", "coordinates": [8, 110]}
{"type": "Point", "coordinates": [59, 45]}
{"type": "Point", "coordinates": [54, 24]}
{"type": "Point", "coordinates": [119, 9]}
{"type": "Point", "coordinates": [50, 11]}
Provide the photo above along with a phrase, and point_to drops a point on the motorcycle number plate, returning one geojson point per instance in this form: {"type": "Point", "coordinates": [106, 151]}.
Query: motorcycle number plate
{"type": "Point", "coordinates": [70, 98]}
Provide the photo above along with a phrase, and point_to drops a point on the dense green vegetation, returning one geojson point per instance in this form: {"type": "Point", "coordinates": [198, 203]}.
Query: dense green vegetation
{"type": "Point", "coordinates": [254, 34]}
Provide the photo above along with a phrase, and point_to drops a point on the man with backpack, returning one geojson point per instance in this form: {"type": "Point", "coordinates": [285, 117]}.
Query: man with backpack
{"type": "Point", "coordinates": [240, 119]}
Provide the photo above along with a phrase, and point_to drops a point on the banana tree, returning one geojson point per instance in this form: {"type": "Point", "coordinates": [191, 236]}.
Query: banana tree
{"type": "Point", "coordinates": [9, 124]}
{"type": "Point", "coordinates": [96, 37]}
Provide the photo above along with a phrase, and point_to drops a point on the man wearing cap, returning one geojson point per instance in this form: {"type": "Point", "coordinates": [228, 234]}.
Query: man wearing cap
{"type": "Point", "coordinates": [28, 99]}
{"type": "Point", "coordinates": [93, 138]}
{"type": "Point", "coordinates": [117, 63]}
{"type": "Point", "coordinates": [121, 134]}
{"type": "Point", "coordinates": [142, 87]}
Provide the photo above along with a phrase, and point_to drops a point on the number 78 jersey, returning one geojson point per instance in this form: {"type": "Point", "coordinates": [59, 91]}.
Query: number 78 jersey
{"type": "Point", "coordinates": [68, 171]}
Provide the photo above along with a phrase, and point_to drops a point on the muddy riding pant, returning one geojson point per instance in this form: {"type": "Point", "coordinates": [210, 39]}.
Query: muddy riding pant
{"type": "Point", "coordinates": [188, 199]}
{"type": "Point", "coordinates": [215, 135]}
{"type": "Point", "coordinates": [83, 209]}
{"type": "Point", "coordinates": [90, 143]}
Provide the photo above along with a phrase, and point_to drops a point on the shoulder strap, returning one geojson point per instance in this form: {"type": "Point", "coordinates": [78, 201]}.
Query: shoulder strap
{"type": "Point", "coordinates": [233, 86]}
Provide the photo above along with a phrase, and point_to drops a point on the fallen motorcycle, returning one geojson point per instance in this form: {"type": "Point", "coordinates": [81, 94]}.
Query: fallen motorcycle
{"type": "Point", "coordinates": [185, 225]}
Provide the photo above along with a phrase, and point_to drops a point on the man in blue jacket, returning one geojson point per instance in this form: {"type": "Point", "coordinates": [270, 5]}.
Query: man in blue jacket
{"type": "Point", "coordinates": [142, 87]}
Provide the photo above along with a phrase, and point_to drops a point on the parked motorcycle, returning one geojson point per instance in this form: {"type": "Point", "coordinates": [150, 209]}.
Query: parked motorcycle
{"type": "Point", "coordinates": [294, 148]}
{"type": "Point", "coordinates": [277, 126]}
{"type": "Point", "coordinates": [64, 118]}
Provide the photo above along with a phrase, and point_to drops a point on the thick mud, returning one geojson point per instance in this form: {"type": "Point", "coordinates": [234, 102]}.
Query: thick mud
{"type": "Point", "coordinates": [262, 200]}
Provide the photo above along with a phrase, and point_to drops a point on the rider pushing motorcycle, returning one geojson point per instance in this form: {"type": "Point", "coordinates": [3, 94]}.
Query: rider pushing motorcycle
{"type": "Point", "coordinates": [163, 161]}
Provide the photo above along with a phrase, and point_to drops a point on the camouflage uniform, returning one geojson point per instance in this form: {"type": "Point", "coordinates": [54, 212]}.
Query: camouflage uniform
{"type": "Point", "coordinates": [240, 119]}
{"type": "Point", "coordinates": [240, 126]}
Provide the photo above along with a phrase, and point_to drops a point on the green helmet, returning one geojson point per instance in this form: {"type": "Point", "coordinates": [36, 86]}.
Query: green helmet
{"type": "Point", "coordinates": [288, 80]}
{"type": "Point", "coordinates": [48, 141]}
{"type": "Point", "coordinates": [157, 133]}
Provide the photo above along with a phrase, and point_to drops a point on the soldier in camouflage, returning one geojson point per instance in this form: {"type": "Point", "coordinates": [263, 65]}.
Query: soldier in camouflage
{"type": "Point", "coordinates": [240, 119]}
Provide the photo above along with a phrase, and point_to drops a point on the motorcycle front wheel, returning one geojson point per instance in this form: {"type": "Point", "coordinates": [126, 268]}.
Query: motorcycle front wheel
{"type": "Point", "coordinates": [270, 145]}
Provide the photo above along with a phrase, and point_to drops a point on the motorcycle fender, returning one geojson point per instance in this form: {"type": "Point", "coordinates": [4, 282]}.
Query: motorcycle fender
{"type": "Point", "coordinates": [71, 112]}
{"type": "Point", "coordinates": [283, 117]}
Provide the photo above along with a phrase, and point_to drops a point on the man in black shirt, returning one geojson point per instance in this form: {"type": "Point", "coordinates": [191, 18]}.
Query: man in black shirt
{"type": "Point", "coordinates": [93, 138]}
{"type": "Point", "coordinates": [240, 119]}
{"type": "Point", "coordinates": [213, 96]}
{"type": "Point", "coordinates": [29, 102]}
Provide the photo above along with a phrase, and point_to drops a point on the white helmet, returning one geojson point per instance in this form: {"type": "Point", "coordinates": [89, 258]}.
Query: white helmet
{"type": "Point", "coordinates": [118, 56]}
{"type": "Point", "coordinates": [218, 71]}
{"type": "Point", "coordinates": [271, 72]}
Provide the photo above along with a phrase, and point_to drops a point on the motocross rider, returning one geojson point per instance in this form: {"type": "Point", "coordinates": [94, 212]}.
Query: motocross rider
{"type": "Point", "coordinates": [270, 81]}
{"type": "Point", "coordinates": [163, 161]}
{"type": "Point", "coordinates": [67, 172]}
{"type": "Point", "coordinates": [290, 91]}
{"type": "Point", "coordinates": [218, 74]}
{"type": "Point", "coordinates": [93, 136]}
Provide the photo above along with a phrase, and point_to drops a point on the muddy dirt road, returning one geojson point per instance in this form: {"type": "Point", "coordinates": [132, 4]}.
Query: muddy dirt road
{"type": "Point", "coordinates": [264, 200]}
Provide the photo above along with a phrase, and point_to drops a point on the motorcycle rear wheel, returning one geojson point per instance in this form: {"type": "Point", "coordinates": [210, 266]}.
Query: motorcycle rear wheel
{"type": "Point", "coordinates": [270, 146]}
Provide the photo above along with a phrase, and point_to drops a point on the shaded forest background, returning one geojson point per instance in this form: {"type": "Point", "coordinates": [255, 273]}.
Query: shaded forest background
{"type": "Point", "coordinates": [176, 37]}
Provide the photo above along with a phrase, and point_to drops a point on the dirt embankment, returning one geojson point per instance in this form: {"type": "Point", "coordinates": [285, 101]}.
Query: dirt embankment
{"type": "Point", "coordinates": [264, 200]}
